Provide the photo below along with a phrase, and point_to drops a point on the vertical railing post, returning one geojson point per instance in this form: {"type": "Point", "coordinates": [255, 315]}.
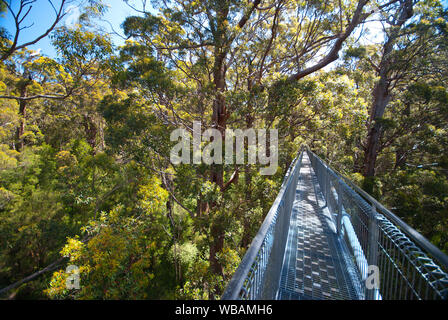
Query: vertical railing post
{"type": "Point", "coordinates": [373, 249]}
{"type": "Point", "coordinates": [339, 212]}
{"type": "Point", "coordinates": [327, 186]}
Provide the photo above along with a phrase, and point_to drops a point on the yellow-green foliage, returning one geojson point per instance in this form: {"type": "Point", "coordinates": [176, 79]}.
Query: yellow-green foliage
{"type": "Point", "coordinates": [117, 261]}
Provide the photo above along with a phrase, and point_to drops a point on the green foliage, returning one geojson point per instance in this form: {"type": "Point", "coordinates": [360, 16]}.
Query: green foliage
{"type": "Point", "coordinates": [85, 139]}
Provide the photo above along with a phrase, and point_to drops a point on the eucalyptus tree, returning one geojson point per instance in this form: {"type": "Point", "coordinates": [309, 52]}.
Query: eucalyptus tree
{"type": "Point", "coordinates": [220, 61]}
{"type": "Point", "coordinates": [83, 62]}
{"type": "Point", "coordinates": [409, 27]}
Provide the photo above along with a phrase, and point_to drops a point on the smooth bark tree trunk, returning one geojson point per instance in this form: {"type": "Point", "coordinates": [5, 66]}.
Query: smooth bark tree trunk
{"type": "Point", "coordinates": [381, 97]}
{"type": "Point", "coordinates": [381, 92]}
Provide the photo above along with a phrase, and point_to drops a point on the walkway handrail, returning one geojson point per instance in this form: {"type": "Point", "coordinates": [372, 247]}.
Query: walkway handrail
{"type": "Point", "coordinates": [248, 281]}
{"type": "Point", "coordinates": [371, 236]}
{"type": "Point", "coordinates": [415, 236]}
{"type": "Point", "coordinates": [378, 238]}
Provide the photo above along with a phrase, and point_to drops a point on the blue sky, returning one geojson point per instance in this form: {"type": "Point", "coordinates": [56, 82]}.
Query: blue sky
{"type": "Point", "coordinates": [42, 14]}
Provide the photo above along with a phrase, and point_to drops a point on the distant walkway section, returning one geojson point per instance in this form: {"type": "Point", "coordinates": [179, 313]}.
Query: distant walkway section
{"type": "Point", "coordinates": [315, 266]}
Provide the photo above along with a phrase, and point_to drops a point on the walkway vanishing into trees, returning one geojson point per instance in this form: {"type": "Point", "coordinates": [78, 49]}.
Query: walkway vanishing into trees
{"type": "Point", "coordinates": [324, 238]}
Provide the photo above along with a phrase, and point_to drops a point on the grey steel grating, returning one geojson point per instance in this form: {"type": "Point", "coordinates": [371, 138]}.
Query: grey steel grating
{"type": "Point", "coordinates": [315, 266]}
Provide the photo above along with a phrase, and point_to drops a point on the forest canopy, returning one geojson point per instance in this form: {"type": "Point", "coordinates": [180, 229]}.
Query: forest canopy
{"type": "Point", "coordinates": [85, 171]}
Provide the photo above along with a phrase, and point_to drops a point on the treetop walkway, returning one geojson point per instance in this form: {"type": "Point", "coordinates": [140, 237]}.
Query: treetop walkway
{"type": "Point", "coordinates": [325, 238]}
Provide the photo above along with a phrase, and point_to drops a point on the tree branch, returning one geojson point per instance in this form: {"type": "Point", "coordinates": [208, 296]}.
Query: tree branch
{"type": "Point", "coordinates": [247, 15]}
{"type": "Point", "coordinates": [31, 277]}
{"type": "Point", "coordinates": [37, 96]}
{"type": "Point", "coordinates": [333, 54]}
{"type": "Point", "coordinates": [18, 20]}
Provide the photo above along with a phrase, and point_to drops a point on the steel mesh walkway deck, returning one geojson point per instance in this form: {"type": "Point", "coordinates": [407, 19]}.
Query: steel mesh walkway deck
{"type": "Point", "coordinates": [316, 263]}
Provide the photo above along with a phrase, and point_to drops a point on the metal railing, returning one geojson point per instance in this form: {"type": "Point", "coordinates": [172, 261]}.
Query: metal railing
{"type": "Point", "coordinates": [258, 274]}
{"type": "Point", "coordinates": [409, 266]}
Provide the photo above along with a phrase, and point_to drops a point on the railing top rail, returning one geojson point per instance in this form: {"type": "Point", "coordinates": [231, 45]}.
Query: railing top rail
{"type": "Point", "coordinates": [236, 283]}
{"type": "Point", "coordinates": [414, 235]}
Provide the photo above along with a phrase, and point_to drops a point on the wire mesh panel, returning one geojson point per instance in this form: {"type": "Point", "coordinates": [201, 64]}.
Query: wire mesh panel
{"type": "Point", "coordinates": [376, 237]}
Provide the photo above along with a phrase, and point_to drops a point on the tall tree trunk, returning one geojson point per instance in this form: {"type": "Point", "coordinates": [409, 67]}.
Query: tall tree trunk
{"type": "Point", "coordinates": [219, 121]}
{"type": "Point", "coordinates": [22, 113]}
{"type": "Point", "coordinates": [246, 238]}
{"type": "Point", "coordinates": [381, 97]}
{"type": "Point", "coordinates": [382, 94]}
{"type": "Point", "coordinates": [91, 131]}
{"type": "Point", "coordinates": [21, 128]}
